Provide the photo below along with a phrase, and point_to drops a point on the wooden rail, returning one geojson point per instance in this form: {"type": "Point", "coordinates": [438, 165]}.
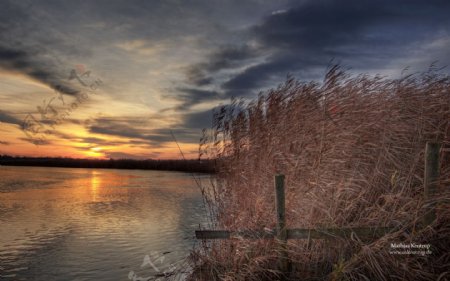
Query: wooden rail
{"type": "Point", "coordinates": [297, 233]}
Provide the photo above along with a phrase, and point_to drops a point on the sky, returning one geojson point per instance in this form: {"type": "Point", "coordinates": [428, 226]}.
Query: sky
{"type": "Point", "coordinates": [125, 79]}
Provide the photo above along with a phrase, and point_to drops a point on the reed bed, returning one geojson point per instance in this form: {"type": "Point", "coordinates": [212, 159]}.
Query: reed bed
{"type": "Point", "coordinates": [352, 149]}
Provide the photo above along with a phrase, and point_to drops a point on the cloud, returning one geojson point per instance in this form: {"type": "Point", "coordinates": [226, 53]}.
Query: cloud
{"type": "Point", "coordinates": [226, 57]}
{"type": "Point", "coordinates": [362, 34]}
{"type": "Point", "coordinates": [123, 155]}
{"type": "Point", "coordinates": [326, 26]}
{"type": "Point", "coordinates": [198, 120]}
{"type": "Point", "coordinates": [113, 129]}
{"type": "Point", "coordinates": [187, 130]}
{"type": "Point", "coordinates": [304, 38]}
{"type": "Point", "coordinates": [256, 76]}
{"type": "Point", "coordinates": [139, 133]}
{"type": "Point", "coordinates": [277, 12]}
{"type": "Point", "coordinates": [32, 44]}
{"type": "Point", "coordinates": [37, 141]}
{"type": "Point", "coordinates": [93, 141]}
{"type": "Point", "coordinates": [7, 118]}
{"type": "Point", "coordinates": [192, 96]}
{"type": "Point", "coordinates": [27, 62]}
{"type": "Point", "coordinates": [153, 138]}
{"type": "Point", "coordinates": [99, 142]}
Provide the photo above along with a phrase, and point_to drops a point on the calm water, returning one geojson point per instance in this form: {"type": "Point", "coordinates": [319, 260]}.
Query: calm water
{"type": "Point", "coordinates": [95, 224]}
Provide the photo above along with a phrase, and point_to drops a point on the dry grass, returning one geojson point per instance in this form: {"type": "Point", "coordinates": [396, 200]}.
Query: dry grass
{"type": "Point", "coordinates": [352, 150]}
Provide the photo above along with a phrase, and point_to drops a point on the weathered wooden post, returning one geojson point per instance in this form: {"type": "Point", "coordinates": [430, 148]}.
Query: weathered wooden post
{"type": "Point", "coordinates": [281, 224]}
{"type": "Point", "coordinates": [431, 180]}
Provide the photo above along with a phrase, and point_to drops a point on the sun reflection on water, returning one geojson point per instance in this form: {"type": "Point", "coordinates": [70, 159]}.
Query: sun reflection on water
{"type": "Point", "coordinates": [96, 182]}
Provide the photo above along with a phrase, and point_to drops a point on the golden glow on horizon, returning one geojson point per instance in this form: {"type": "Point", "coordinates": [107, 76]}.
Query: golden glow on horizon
{"type": "Point", "coordinates": [73, 138]}
{"type": "Point", "coordinates": [93, 154]}
{"type": "Point", "coordinates": [79, 148]}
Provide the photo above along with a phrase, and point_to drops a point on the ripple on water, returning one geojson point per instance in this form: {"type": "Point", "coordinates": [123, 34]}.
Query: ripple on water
{"type": "Point", "coordinates": [66, 224]}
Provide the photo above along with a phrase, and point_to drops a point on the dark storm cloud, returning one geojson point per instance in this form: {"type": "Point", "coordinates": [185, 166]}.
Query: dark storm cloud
{"type": "Point", "coordinates": [317, 24]}
{"type": "Point", "coordinates": [201, 74]}
{"type": "Point", "coordinates": [361, 34]}
{"type": "Point", "coordinates": [350, 29]}
{"type": "Point", "coordinates": [198, 120]}
{"type": "Point", "coordinates": [192, 96]}
{"type": "Point", "coordinates": [365, 35]}
{"type": "Point", "coordinates": [224, 58]}
{"type": "Point", "coordinates": [265, 74]}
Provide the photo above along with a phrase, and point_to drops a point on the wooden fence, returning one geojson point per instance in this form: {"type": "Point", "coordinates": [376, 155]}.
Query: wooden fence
{"type": "Point", "coordinates": [431, 183]}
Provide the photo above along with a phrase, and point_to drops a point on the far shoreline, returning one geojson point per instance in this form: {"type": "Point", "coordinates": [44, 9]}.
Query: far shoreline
{"type": "Point", "coordinates": [178, 165]}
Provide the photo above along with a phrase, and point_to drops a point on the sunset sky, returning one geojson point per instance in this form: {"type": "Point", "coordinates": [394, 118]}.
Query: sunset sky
{"type": "Point", "coordinates": [113, 79]}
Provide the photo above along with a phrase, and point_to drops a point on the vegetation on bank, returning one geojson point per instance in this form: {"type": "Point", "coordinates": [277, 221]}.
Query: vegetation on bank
{"type": "Point", "coordinates": [352, 150]}
{"type": "Point", "coordinates": [195, 166]}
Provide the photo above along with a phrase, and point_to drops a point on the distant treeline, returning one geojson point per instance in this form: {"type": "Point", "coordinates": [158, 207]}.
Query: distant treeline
{"type": "Point", "coordinates": [198, 166]}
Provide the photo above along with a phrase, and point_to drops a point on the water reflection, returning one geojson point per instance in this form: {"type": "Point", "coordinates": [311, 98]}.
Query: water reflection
{"type": "Point", "coordinates": [95, 184]}
{"type": "Point", "coordinates": [83, 224]}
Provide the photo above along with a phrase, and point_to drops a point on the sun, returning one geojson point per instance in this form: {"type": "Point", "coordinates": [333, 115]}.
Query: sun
{"type": "Point", "coordinates": [95, 152]}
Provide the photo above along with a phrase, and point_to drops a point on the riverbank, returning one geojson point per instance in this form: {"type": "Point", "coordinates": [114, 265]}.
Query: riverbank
{"type": "Point", "coordinates": [193, 166]}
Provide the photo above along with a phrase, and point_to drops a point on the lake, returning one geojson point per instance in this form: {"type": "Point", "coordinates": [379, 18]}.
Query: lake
{"type": "Point", "coordinates": [96, 224]}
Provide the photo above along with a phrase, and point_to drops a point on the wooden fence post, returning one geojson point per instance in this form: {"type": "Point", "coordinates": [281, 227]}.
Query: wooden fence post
{"type": "Point", "coordinates": [431, 180]}
{"type": "Point", "coordinates": [281, 224]}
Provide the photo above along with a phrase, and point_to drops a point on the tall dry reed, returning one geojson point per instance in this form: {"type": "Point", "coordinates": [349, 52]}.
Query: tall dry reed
{"type": "Point", "coordinates": [352, 150]}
